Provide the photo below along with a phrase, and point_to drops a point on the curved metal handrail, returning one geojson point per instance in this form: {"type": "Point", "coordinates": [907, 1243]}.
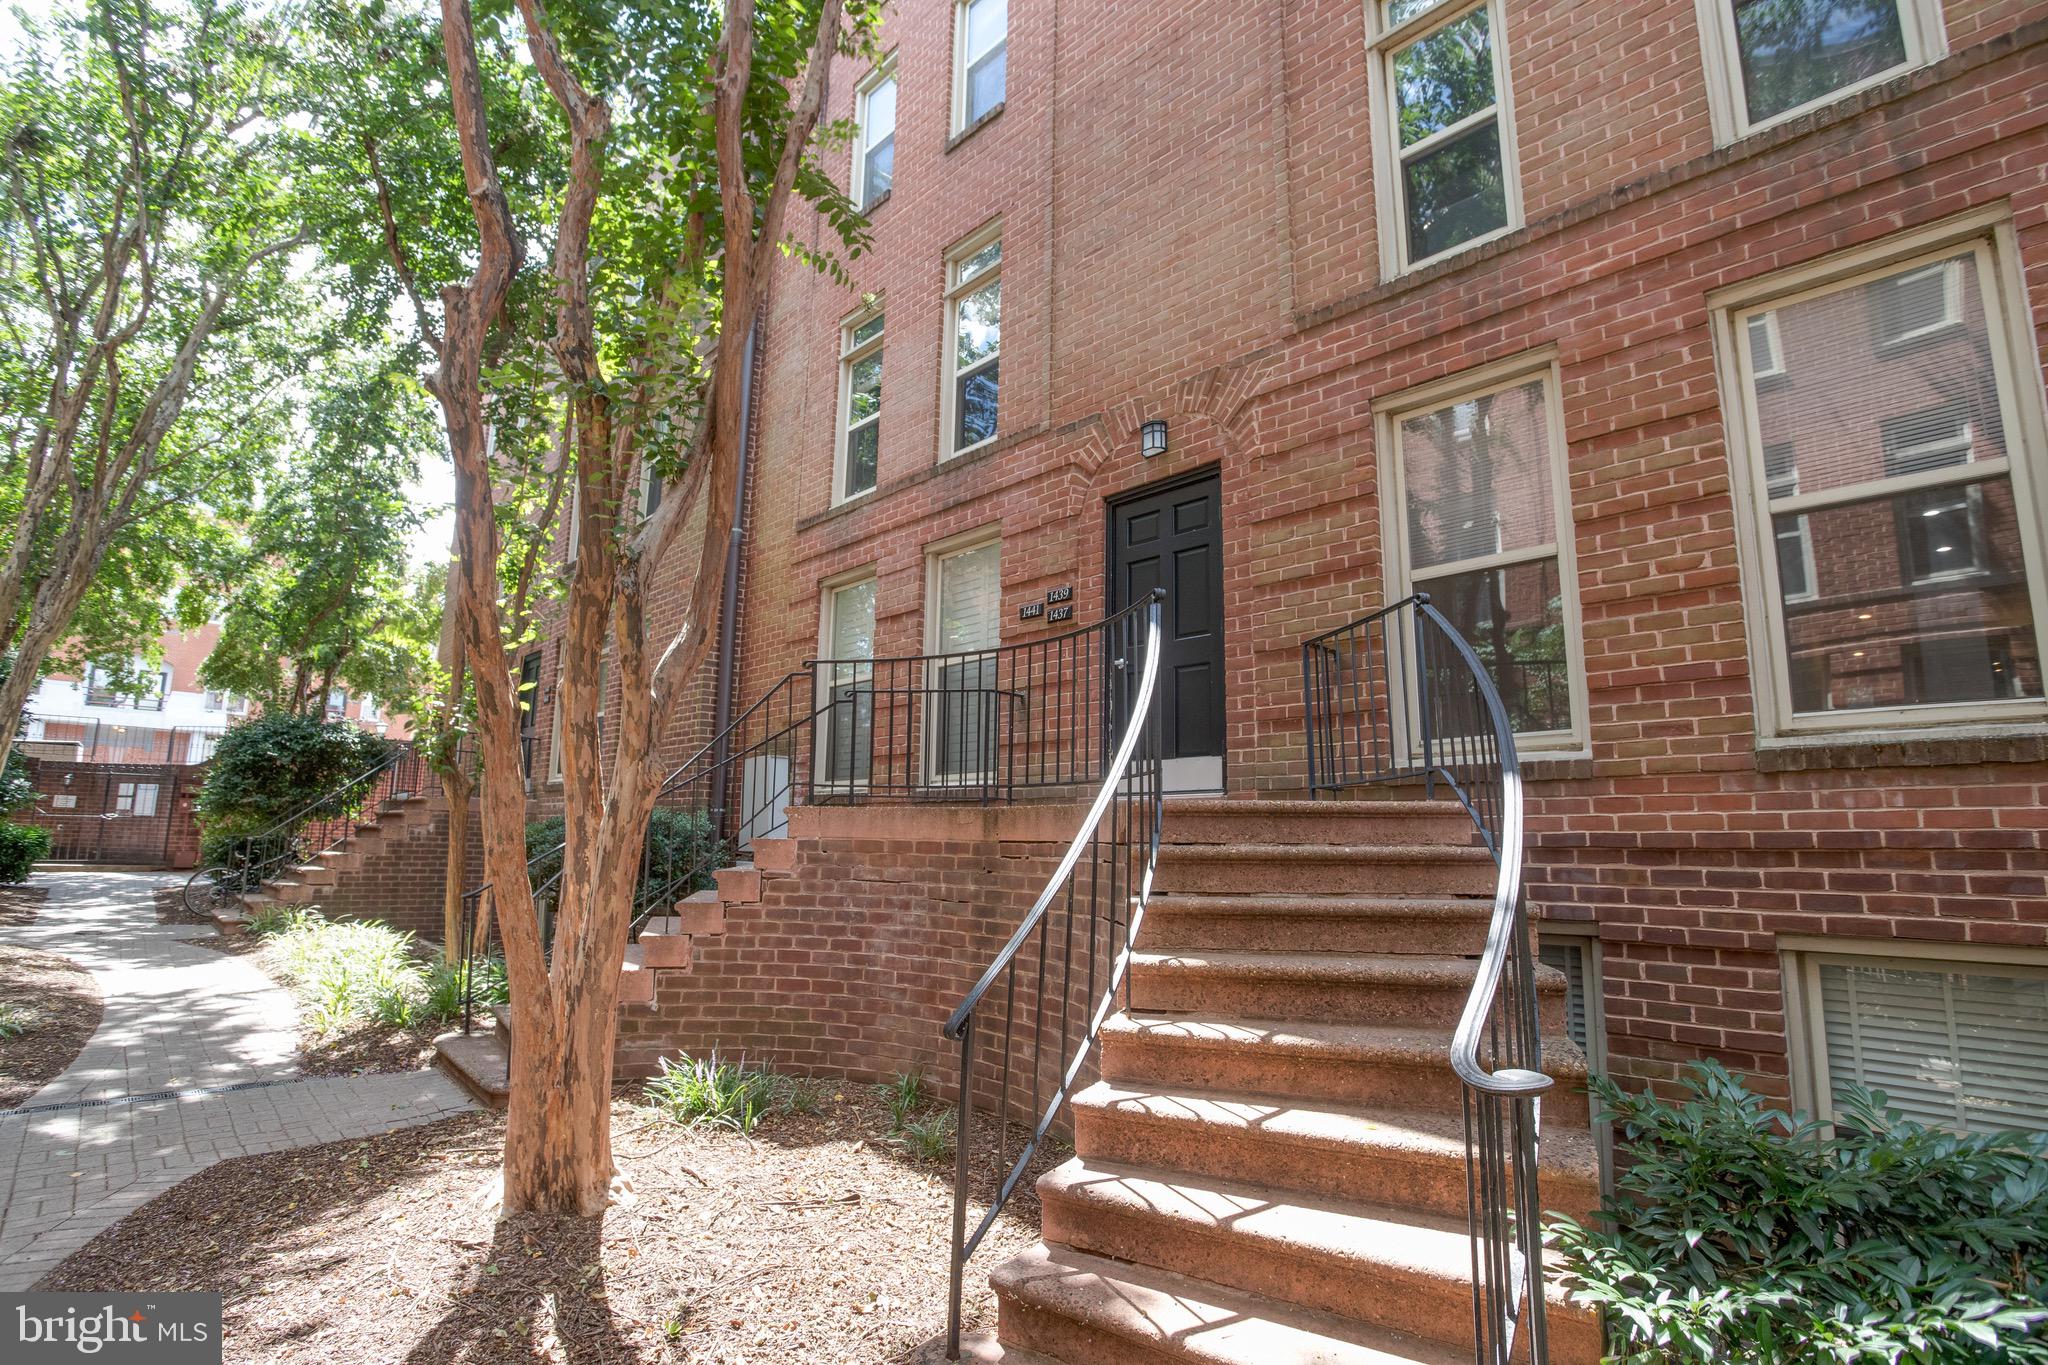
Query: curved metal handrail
{"type": "Point", "coordinates": [1118, 779]}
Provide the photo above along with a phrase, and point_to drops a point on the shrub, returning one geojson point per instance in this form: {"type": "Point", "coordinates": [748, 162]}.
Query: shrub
{"type": "Point", "coordinates": [1741, 1234]}
{"type": "Point", "coordinates": [14, 1021]}
{"type": "Point", "coordinates": [677, 840]}
{"type": "Point", "coordinates": [905, 1095]}
{"type": "Point", "coordinates": [349, 973]}
{"type": "Point", "coordinates": [17, 788]}
{"type": "Point", "coordinates": [718, 1093]}
{"type": "Point", "coordinates": [274, 766]}
{"type": "Point", "coordinates": [21, 848]}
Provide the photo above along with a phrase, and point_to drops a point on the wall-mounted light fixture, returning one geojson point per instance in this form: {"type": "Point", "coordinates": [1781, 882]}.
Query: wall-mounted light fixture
{"type": "Point", "coordinates": [1152, 438]}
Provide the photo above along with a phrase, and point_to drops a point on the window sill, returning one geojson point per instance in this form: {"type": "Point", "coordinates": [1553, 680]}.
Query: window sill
{"type": "Point", "coordinates": [1909, 749]}
{"type": "Point", "coordinates": [868, 210]}
{"type": "Point", "coordinates": [971, 129]}
{"type": "Point", "coordinates": [1556, 767]}
{"type": "Point", "coordinates": [941, 469]}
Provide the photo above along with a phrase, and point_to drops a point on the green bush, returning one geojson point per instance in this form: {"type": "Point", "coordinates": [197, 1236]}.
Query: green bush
{"type": "Point", "coordinates": [274, 766]}
{"type": "Point", "coordinates": [21, 848]}
{"type": "Point", "coordinates": [713, 1093]}
{"type": "Point", "coordinates": [17, 789]}
{"type": "Point", "coordinates": [1739, 1234]}
{"type": "Point", "coordinates": [677, 841]}
{"type": "Point", "coordinates": [347, 973]}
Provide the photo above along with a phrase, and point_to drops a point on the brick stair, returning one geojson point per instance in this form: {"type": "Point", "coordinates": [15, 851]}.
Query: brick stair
{"type": "Point", "coordinates": [479, 1061]}
{"type": "Point", "coordinates": [1272, 1167]}
{"type": "Point", "coordinates": [388, 820]}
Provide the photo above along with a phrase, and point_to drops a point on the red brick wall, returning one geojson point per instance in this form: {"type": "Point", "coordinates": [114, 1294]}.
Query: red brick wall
{"type": "Point", "coordinates": [851, 963]}
{"type": "Point", "coordinates": [1203, 246]}
{"type": "Point", "coordinates": [401, 880]}
{"type": "Point", "coordinates": [92, 828]}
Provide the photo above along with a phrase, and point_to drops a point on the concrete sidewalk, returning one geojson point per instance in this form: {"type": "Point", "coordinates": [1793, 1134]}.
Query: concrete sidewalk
{"type": "Point", "coordinates": [192, 1062]}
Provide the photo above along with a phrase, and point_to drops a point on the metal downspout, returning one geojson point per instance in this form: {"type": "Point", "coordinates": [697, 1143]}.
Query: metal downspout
{"type": "Point", "coordinates": [728, 615]}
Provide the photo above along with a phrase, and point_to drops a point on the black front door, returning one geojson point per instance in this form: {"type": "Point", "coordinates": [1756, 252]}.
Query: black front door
{"type": "Point", "coordinates": [1173, 539]}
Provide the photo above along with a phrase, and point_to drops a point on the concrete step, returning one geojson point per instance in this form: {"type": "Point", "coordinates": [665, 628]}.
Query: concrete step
{"type": "Point", "coordinates": [1085, 1310]}
{"type": "Point", "coordinates": [480, 1062]}
{"type": "Point", "coordinates": [314, 874]}
{"type": "Point", "coordinates": [1326, 870]}
{"type": "Point", "coordinates": [1387, 989]}
{"type": "Point", "coordinates": [739, 885]}
{"type": "Point", "coordinates": [1394, 1269]}
{"type": "Point", "coordinates": [666, 944]}
{"type": "Point", "coordinates": [1410, 1160]}
{"type": "Point", "coordinates": [1449, 927]}
{"type": "Point", "coordinates": [773, 855]}
{"type": "Point", "coordinates": [1203, 820]}
{"type": "Point", "coordinates": [700, 912]}
{"type": "Point", "coordinates": [1352, 1065]}
{"type": "Point", "coordinates": [501, 1021]}
{"type": "Point", "coordinates": [636, 977]}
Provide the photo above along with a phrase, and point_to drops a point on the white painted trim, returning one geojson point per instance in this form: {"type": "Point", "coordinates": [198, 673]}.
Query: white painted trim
{"type": "Point", "coordinates": [848, 355]}
{"type": "Point", "coordinates": [883, 71]}
{"type": "Point", "coordinates": [958, 255]}
{"type": "Point", "coordinates": [1920, 23]}
{"type": "Point", "coordinates": [959, 120]}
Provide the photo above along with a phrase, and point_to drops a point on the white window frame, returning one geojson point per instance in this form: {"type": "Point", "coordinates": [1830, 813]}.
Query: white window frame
{"type": "Point", "coordinates": [963, 59]}
{"type": "Point", "coordinates": [128, 798]}
{"type": "Point", "coordinates": [828, 605]}
{"type": "Point", "coordinates": [651, 490]}
{"type": "Point", "coordinates": [935, 556]}
{"type": "Point", "coordinates": [1467, 386]}
{"type": "Point", "coordinates": [956, 290]}
{"type": "Point", "coordinates": [849, 354]}
{"type": "Point", "coordinates": [1728, 108]}
{"type": "Point", "coordinates": [884, 72]}
{"type": "Point", "coordinates": [555, 739]}
{"type": "Point", "coordinates": [1801, 958]}
{"type": "Point", "coordinates": [1803, 532]}
{"type": "Point", "coordinates": [1384, 43]}
{"type": "Point", "coordinates": [2016, 369]}
{"type": "Point", "coordinates": [1773, 342]}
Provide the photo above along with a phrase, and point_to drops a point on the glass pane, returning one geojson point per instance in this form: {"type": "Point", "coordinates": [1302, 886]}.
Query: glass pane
{"type": "Point", "coordinates": [867, 331]}
{"type": "Point", "coordinates": [880, 122]}
{"type": "Point", "coordinates": [1794, 51]}
{"type": "Point", "coordinates": [1915, 599]}
{"type": "Point", "coordinates": [1854, 409]}
{"type": "Point", "coordinates": [968, 716]}
{"type": "Point", "coordinates": [863, 457]}
{"type": "Point", "coordinates": [1913, 304]}
{"type": "Point", "coordinates": [1477, 479]}
{"type": "Point", "coordinates": [985, 84]}
{"type": "Point", "coordinates": [977, 406]}
{"type": "Point", "coordinates": [978, 328]}
{"type": "Point", "coordinates": [1763, 345]}
{"type": "Point", "coordinates": [988, 258]}
{"type": "Point", "coordinates": [1795, 558]}
{"type": "Point", "coordinates": [1445, 77]}
{"type": "Point", "coordinates": [853, 621]}
{"type": "Point", "coordinates": [881, 171]}
{"type": "Point", "coordinates": [987, 22]}
{"type": "Point", "coordinates": [1514, 620]}
{"type": "Point", "coordinates": [1455, 192]}
{"type": "Point", "coordinates": [865, 397]}
{"type": "Point", "coordinates": [969, 599]}
{"type": "Point", "coordinates": [1399, 12]}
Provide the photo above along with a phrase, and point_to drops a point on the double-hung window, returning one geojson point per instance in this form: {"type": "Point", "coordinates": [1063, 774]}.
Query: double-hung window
{"type": "Point", "coordinates": [1445, 129]}
{"type": "Point", "coordinates": [874, 150]}
{"type": "Point", "coordinates": [1890, 464]}
{"type": "Point", "coordinates": [846, 674]}
{"type": "Point", "coordinates": [856, 467]}
{"type": "Point", "coordinates": [1475, 468]}
{"type": "Point", "coordinates": [981, 44]}
{"type": "Point", "coordinates": [1953, 1037]}
{"type": "Point", "coordinates": [964, 625]}
{"type": "Point", "coordinates": [974, 337]}
{"type": "Point", "coordinates": [1770, 60]}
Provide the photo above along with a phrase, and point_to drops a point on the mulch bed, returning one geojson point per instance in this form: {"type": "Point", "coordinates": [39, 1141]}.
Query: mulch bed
{"type": "Point", "coordinates": [19, 904]}
{"type": "Point", "coordinates": [816, 1240]}
{"type": "Point", "coordinates": [60, 1003]}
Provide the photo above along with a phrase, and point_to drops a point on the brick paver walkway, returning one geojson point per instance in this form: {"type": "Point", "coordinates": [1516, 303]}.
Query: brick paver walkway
{"type": "Point", "coordinates": [192, 1063]}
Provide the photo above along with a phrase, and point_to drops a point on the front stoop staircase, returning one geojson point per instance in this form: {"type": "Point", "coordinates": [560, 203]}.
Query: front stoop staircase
{"type": "Point", "coordinates": [481, 1061]}
{"type": "Point", "coordinates": [390, 820]}
{"type": "Point", "coordinates": [1272, 1168]}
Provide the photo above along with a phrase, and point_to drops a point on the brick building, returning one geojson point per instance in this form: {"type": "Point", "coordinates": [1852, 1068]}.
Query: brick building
{"type": "Point", "coordinates": [1690, 357]}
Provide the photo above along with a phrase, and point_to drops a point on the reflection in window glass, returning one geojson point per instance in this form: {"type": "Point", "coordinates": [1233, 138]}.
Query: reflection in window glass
{"type": "Point", "coordinates": [1901, 570]}
{"type": "Point", "coordinates": [863, 409]}
{"type": "Point", "coordinates": [977, 328]}
{"type": "Point", "coordinates": [986, 38]}
{"type": "Point", "coordinates": [1453, 185]}
{"type": "Point", "coordinates": [1514, 619]}
{"type": "Point", "coordinates": [1796, 51]}
{"type": "Point", "coordinates": [877, 140]}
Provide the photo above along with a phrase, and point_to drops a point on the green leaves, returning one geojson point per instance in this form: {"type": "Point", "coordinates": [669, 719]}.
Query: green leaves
{"type": "Point", "coordinates": [1741, 1233]}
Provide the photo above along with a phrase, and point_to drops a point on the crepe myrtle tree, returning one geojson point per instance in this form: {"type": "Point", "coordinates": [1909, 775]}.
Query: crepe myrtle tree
{"type": "Point", "coordinates": [685, 131]}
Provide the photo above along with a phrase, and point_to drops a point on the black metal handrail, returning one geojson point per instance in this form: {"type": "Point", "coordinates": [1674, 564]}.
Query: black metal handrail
{"type": "Point", "coordinates": [1097, 894]}
{"type": "Point", "coordinates": [1400, 695]}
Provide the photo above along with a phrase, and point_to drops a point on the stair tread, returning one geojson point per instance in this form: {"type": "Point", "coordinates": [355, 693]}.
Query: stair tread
{"type": "Point", "coordinates": [1329, 853]}
{"type": "Point", "coordinates": [1307, 1038]}
{"type": "Point", "coordinates": [1332, 1127]}
{"type": "Point", "coordinates": [1372, 968]}
{"type": "Point", "coordinates": [1269, 805]}
{"type": "Point", "coordinates": [1200, 1322]}
{"type": "Point", "coordinates": [1432, 1244]}
{"type": "Point", "coordinates": [1273, 903]}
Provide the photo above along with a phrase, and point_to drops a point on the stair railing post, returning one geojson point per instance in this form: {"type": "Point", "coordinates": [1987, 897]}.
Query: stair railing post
{"type": "Point", "coordinates": [1423, 698]}
{"type": "Point", "coordinates": [1308, 719]}
{"type": "Point", "coordinates": [962, 1168]}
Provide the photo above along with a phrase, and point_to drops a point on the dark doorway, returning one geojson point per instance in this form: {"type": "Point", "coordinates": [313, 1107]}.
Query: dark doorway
{"type": "Point", "coordinates": [1171, 537]}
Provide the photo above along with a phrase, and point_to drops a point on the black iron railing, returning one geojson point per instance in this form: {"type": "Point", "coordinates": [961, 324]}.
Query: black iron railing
{"type": "Point", "coordinates": [326, 822]}
{"type": "Point", "coordinates": [1027, 1028]}
{"type": "Point", "coordinates": [1400, 696]}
